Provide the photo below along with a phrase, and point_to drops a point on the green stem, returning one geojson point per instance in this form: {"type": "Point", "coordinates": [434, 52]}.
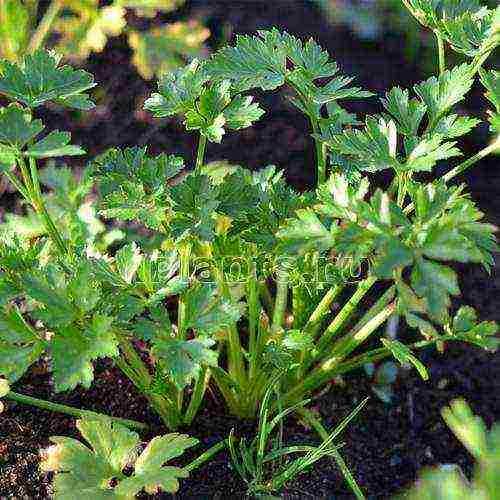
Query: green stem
{"type": "Point", "coordinates": [200, 387]}
{"type": "Point", "coordinates": [280, 304]}
{"type": "Point", "coordinates": [320, 152]}
{"type": "Point", "coordinates": [353, 339]}
{"type": "Point", "coordinates": [35, 198]}
{"type": "Point", "coordinates": [381, 353]}
{"type": "Point", "coordinates": [18, 185]}
{"type": "Point", "coordinates": [206, 456]}
{"type": "Point", "coordinates": [200, 154]}
{"type": "Point", "coordinates": [316, 424]}
{"type": "Point", "coordinates": [322, 309]}
{"type": "Point", "coordinates": [345, 313]}
{"type": "Point", "coordinates": [441, 56]}
{"type": "Point", "coordinates": [236, 366]}
{"type": "Point", "coordinates": [491, 148]}
{"type": "Point", "coordinates": [45, 25]}
{"type": "Point", "coordinates": [254, 310]}
{"type": "Point", "coordinates": [185, 260]}
{"type": "Point", "coordinates": [327, 370]}
{"type": "Point", "coordinates": [70, 410]}
{"type": "Point", "coordinates": [462, 167]}
{"type": "Point", "coordinates": [480, 58]}
{"type": "Point", "coordinates": [134, 368]}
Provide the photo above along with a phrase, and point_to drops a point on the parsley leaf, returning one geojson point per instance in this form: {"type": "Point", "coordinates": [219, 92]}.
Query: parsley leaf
{"type": "Point", "coordinates": [439, 94]}
{"type": "Point", "coordinates": [40, 78]}
{"type": "Point", "coordinates": [90, 471]}
{"type": "Point", "coordinates": [134, 186]}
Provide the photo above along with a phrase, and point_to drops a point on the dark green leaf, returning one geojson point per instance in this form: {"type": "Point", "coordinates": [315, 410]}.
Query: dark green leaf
{"type": "Point", "coordinates": [41, 78]}
{"type": "Point", "coordinates": [54, 144]}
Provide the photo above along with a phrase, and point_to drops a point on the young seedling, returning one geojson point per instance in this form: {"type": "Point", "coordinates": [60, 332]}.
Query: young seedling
{"type": "Point", "coordinates": [266, 465]}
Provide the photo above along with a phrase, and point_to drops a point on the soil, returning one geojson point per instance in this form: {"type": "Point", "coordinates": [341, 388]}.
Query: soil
{"type": "Point", "coordinates": [388, 444]}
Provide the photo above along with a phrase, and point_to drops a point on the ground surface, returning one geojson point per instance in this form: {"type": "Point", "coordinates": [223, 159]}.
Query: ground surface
{"type": "Point", "coordinates": [389, 443]}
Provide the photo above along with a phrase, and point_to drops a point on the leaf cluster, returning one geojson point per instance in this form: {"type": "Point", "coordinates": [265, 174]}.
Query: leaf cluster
{"type": "Point", "coordinates": [98, 470]}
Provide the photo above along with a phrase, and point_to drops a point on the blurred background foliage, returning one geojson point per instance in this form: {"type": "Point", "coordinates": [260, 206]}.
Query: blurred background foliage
{"type": "Point", "coordinates": [76, 28]}
{"type": "Point", "coordinates": [373, 20]}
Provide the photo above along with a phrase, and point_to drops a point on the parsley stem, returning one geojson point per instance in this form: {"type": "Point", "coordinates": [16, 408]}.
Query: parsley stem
{"type": "Point", "coordinates": [320, 153]}
{"type": "Point", "coordinates": [200, 155]}
{"type": "Point", "coordinates": [491, 148]}
{"type": "Point", "coordinates": [200, 387]}
{"type": "Point", "coordinates": [204, 457]}
{"type": "Point", "coordinates": [70, 410]}
{"type": "Point", "coordinates": [33, 195]}
{"type": "Point", "coordinates": [441, 55]}
{"type": "Point", "coordinates": [345, 313]}
{"type": "Point", "coordinates": [328, 368]}
{"type": "Point", "coordinates": [254, 310]}
{"type": "Point", "coordinates": [45, 25]}
{"type": "Point", "coordinates": [280, 303]}
{"type": "Point", "coordinates": [322, 309]}
{"type": "Point", "coordinates": [459, 169]}
{"type": "Point", "coordinates": [184, 271]}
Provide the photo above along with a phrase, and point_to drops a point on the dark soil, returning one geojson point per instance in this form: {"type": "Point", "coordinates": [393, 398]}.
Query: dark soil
{"type": "Point", "coordinates": [388, 444]}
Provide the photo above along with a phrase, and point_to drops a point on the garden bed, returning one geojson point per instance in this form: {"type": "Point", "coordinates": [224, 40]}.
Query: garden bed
{"type": "Point", "coordinates": [388, 443]}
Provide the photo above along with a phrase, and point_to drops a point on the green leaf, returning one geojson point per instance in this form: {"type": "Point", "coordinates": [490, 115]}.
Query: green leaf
{"type": "Point", "coordinates": [446, 243]}
{"type": "Point", "coordinates": [407, 112]}
{"type": "Point", "coordinates": [182, 360]}
{"type": "Point", "coordinates": [308, 57]}
{"type": "Point", "coordinates": [425, 328]}
{"type": "Point", "coordinates": [208, 313]}
{"type": "Point", "coordinates": [491, 80]}
{"type": "Point", "coordinates": [297, 340]}
{"type": "Point", "coordinates": [393, 255]}
{"type": "Point", "coordinates": [207, 116]}
{"type": "Point", "coordinates": [442, 93]}
{"type": "Point", "coordinates": [14, 29]}
{"type": "Point", "coordinates": [84, 27]}
{"type": "Point", "coordinates": [404, 355]}
{"type": "Point", "coordinates": [128, 259]}
{"type": "Point", "coordinates": [435, 283]}
{"type": "Point", "coordinates": [7, 158]}
{"type": "Point", "coordinates": [40, 78]}
{"type": "Point", "coordinates": [466, 327]}
{"type": "Point", "coordinates": [20, 345]}
{"type": "Point", "coordinates": [16, 126]}
{"type": "Point", "coordinates": [242, 112]}
{"type": "Point", "coordinates": [4, 388]}
{"type": "Point", "coordinates": [193, 202]}
{"type": "Point", "coordinates": [254, 61]}
{"type": "Point", "coordinates": [54, 144]}
{"type": "Point", "coordinates": [428, 152]}
{"type": "Point", "coordinates": [471, 31]}
{"type": "Point", "coordinates": [305, 233]}
{"type": "Point", "coordinates": [134, 185]}
{"type": "Point", "coordinates": [452, 126]}
{"type": "Point", "coordinates": [465, 319]}
{"type": "Point", "coordinates": [468, 428]}
{"type": "Point", "coordinates": [150, 473]}
{"type": "Point", "coordinates": [90, 470]}
{"type": "Point", "coordinates": [73, 351]}
{"type": "Point", "coordinates": [177, 91]}
{"type": "Point", "coordinates": [149, 8]}
{"type": "Point", "coordinates": [55, 308]}
{"type": "Point", "coordinates": [371, 148]}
